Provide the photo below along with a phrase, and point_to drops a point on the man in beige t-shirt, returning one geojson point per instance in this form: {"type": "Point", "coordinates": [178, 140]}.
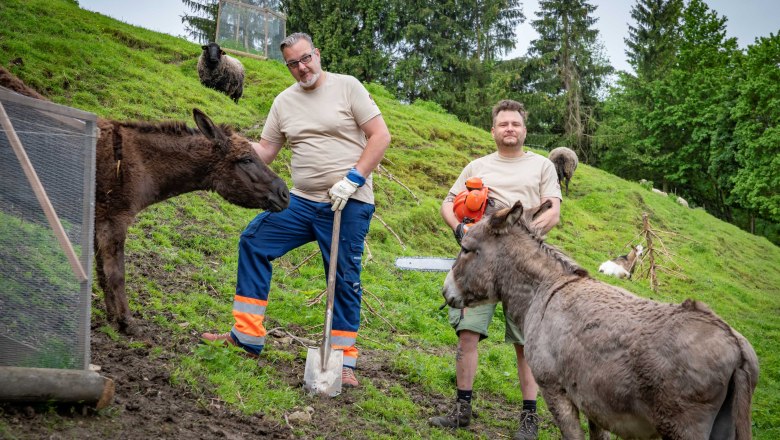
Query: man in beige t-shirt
{"type": "Point", "coordinates": [337, 137]}
{"type": "Point", "coordinates": [511, 174]}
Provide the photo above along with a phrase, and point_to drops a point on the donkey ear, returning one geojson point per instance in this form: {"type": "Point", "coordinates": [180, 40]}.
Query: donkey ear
{"type": "Point", "coordinates": [208, 128]}
{"type": "Point", "coordinates": [539, 210]}
{"type": "Point", "coordinates": [515, 214]}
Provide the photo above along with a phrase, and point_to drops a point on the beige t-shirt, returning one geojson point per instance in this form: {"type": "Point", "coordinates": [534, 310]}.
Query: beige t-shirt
{"type": "Point", "coordinates": [323, 129]}
{"type": "Point", "coordinates": [528, 178]}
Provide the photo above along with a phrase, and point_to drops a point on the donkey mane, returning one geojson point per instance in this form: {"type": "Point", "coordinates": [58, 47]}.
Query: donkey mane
{"type": "Point", "coordinates": [177, 128]}
{"type": "Point", "coordinates": [569, 265]}
{"type": "Point", "coordinates": [498, 225]}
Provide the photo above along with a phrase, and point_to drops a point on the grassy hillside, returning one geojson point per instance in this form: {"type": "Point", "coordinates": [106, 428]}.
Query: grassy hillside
{"type": "Point", "coordinates": [182, 253]}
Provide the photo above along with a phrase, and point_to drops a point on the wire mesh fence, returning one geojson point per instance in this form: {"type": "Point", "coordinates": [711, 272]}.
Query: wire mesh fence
{"type": "Point", "coordinates": [251, 26]}
{"type": "Point", "coordinates": [47, 175]}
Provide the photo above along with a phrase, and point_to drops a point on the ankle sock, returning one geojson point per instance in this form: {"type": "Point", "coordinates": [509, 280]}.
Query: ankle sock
{"type": "Point", "coordinates": [529, 405]}
{"type": "Point", "coordinates": [464, 395]}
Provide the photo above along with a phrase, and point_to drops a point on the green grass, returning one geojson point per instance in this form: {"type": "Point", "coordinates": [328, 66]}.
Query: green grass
{"type": "Point", "coordinates": [94, 63]}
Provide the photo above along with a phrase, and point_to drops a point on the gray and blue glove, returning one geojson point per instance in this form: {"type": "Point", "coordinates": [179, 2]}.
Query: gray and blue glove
{"type": "Point", "coordinates": [342, 190]}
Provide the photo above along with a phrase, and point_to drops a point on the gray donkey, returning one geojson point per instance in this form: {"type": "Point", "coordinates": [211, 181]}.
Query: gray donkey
{"type": "Point", "coordinates": [634, 367]}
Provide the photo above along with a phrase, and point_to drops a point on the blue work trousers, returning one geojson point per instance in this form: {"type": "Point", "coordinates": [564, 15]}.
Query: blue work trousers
{"type": "Point", "coordinates": [270, 235]}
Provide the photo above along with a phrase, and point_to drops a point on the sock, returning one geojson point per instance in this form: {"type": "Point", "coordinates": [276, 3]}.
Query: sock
{"type": "Point", "coordinates": [464, 395]}
{"type": "Point", "coordinates": [529, 405]}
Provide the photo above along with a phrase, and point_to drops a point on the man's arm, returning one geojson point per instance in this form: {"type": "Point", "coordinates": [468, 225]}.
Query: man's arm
{"type": "Point", "coordinates": [378, 137]}
{"type": "Point", "coordinates": [548, 219]}
{"type": "Point", "coordinates": [447, 213]}
{"type": "Point", "coordinates": [267, 150]}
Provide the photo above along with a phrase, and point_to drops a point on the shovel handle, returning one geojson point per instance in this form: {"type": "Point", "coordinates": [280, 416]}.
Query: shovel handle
{"type": "Point", "coordinates": [331, 289]}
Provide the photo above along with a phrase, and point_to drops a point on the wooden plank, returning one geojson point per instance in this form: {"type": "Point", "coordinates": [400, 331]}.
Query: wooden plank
{"type": "Point", "coordinates": [40, 194]}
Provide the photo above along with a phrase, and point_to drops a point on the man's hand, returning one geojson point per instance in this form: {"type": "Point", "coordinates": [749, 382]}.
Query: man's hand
{"type": "Point", "coordinates": [344, 188]}
{"type": "Point", "coordinates": [341, 192]}
{"type": "Point", "coordinates": [460, 231]}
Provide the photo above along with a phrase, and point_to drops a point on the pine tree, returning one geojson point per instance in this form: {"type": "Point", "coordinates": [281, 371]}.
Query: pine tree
{"type": "Point", "coordinates": [572, 68]}
{"type": "Point", "coordinates": [202, 25]}
{"type": "Point", "coordinates": [653, 39]}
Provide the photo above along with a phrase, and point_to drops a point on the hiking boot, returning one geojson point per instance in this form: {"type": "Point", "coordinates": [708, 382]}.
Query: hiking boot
{"type": "Point", "coordinates": [459, 417]}
{"type": "Point", "coordinates": [529, 426]}
{"type": "Point", "coordinates": [348, 379]}
{"type": "Point", "coordinates": [226, 339]}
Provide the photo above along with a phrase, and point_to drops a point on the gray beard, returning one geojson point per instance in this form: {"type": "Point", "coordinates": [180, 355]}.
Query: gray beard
{"type": "Point", "coordinates": [310, 83]}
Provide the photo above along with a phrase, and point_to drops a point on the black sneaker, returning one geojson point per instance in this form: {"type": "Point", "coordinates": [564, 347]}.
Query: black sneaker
{"type": "Point", "coordinates": [529, 426]}
{"type": "Point", "coordinates": [459, 417]}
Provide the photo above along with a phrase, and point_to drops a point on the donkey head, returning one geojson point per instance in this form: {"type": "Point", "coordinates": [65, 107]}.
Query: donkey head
{"type": "Point", "coordinates": [238, 174]}
{"type": "Point", "coordinates": [487, 258]}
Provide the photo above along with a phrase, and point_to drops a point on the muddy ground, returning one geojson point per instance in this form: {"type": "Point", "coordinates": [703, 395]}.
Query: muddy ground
{"type": "Point", "coordinates": [147, 405]}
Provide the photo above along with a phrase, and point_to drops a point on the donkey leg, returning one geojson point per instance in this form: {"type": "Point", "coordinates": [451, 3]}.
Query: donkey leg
{"type": "Point", "coordinates": [111, 241]}
{"type": "Point", "coordinates": [595, 432]}
{"type": "Point", "coordinates": [101, 274]}
{"type": "Point", "coordinates": [565, 414]}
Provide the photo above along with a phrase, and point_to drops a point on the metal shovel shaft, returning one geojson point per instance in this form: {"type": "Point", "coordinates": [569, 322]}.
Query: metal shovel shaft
{"type": "Point", "coordinates": [323, 366]}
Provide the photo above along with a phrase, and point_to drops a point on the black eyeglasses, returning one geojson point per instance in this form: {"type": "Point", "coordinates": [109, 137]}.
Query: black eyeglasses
{"type": "Point", "coordinates": [306, 59]}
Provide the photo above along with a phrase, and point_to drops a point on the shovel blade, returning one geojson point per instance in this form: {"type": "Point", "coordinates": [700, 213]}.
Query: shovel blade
{"type": "Point", "coordinates": [323, 379]}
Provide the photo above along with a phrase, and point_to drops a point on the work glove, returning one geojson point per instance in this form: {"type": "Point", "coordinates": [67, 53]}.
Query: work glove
{"type": "Point", "coordinates": [460, 231]}
{"type": "Point", "coordinates": [342, 190]}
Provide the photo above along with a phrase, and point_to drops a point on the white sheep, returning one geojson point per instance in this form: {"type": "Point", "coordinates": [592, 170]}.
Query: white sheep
{"type": "Point", "coordinates": [682, 201]}
{"type": "Point", "coordinates": [658, 191]}
{"type": "Point", "coordinates": [565, 161]}
{"type": "Point", "coordinates": [622, 266]}
{"type": "Point", "coordinates": [220, 71]}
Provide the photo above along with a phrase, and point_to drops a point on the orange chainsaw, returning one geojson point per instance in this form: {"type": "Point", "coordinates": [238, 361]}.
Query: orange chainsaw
{"type": "Point", "coordinates": [469, 207]}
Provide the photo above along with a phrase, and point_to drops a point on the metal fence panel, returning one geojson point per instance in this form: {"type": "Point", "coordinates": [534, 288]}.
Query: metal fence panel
{"type": "Point", "coordinates": [251, 26]}
{"type": "Point", "coordinates": [44, 304]}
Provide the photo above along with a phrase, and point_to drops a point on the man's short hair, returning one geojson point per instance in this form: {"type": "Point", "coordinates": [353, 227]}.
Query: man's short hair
{"type": "Point", "coordinates": [294, 38]}
{"type": "Point", "coordinates": [511, 106]}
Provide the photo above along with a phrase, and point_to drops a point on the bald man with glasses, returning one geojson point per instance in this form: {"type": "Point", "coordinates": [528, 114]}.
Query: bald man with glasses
{"type": "Point", "coordinates": [337, 136]}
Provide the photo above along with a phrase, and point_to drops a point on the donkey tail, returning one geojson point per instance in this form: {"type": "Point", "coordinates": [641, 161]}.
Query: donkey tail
{"type": "Point", "coordinates": [744, 380]}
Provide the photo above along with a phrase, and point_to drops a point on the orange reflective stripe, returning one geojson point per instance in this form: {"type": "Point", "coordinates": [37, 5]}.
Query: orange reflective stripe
{"type": "Point", "coordinates": [254, 301]}
{"type": "Point", "coordinates": [344, 333]}
{"type": "Point", "coordinates": [249, 323]}
{"type": "Point", "coordinates": [349, 351]}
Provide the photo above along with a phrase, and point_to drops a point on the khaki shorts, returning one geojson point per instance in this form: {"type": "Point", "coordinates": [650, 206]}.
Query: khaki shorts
{"type": "Point", "coordinates": [477, 319]}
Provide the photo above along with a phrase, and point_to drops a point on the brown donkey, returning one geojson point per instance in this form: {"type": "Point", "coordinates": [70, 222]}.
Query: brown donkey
{"type": "Point", "coordinates": [632, 366]}
{"type": "Point", "coordinates": [138, 164]}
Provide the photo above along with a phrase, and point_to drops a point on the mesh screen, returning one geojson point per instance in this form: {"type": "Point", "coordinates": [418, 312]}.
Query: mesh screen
{"type": "Point", "coordinates": [44, 305]}
{"type": "Point", "coordinates": [251, 26]}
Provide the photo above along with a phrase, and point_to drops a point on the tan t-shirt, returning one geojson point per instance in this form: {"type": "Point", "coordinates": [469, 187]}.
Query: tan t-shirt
{"type": "Point", "coordinates": [323, 129]}
{"type": "Point", "coordinates": [528, 178]}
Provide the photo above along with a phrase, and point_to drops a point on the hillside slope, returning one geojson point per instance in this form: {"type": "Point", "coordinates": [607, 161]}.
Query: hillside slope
{"type": "Point", "coordinates": [182, 260]}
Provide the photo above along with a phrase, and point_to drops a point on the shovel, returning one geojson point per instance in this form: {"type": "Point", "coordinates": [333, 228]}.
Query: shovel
{"type": "Point", "coordinates": [323, 364]}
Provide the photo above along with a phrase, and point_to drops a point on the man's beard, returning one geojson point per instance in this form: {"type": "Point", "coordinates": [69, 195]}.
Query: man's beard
{"type": "Point", "coordinates": [517, 142]}
{"type": "Point", "coordinates": [311, 81]}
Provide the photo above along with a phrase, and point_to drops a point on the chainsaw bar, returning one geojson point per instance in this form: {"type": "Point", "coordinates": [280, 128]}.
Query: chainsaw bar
{"type": "Point", "coordinates": [425, 264]}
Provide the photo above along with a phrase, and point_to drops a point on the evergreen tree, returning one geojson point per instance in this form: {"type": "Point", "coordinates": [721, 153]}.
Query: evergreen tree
{"type": "Point", "coordinates": [351, 34]}
{"type": "Point", "coordinates": [571, 65]}
{"type": "Point", "coordinates": [202, 24]}
{"type": "Point", "coordinates": [438, 50]}
{"type": "Point", "coordinates": [652, 40]}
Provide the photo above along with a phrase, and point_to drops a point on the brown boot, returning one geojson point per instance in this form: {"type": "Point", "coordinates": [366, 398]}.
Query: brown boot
{"type": "Point", "coordinates": [458, 417]}
{"type": "Point", "coordinates": [348, 378]}
{"type": "Point", "coordinates": [226, 339]}
{"type": "Point", "coordinates": [529, 426]}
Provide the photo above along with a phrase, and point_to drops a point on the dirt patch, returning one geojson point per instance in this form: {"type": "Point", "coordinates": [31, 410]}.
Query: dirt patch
{"type": "Point", "coordinates": [148, 406]}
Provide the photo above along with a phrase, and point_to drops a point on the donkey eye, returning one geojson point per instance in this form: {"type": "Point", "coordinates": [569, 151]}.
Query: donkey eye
{"type": "Point", "coordinates": [245, 160]}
